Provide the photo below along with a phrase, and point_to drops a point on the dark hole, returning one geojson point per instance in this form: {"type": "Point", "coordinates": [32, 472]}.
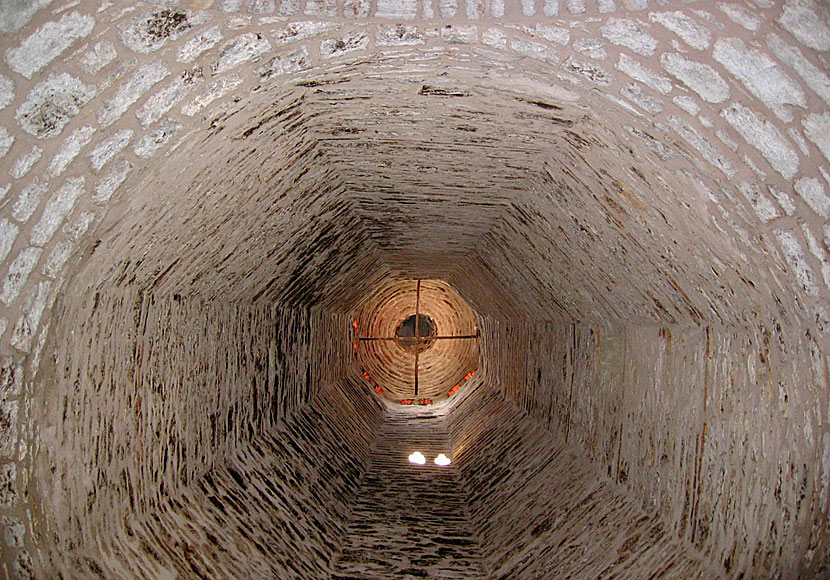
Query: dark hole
{"type": "Point", "coordinates": [416, 338]}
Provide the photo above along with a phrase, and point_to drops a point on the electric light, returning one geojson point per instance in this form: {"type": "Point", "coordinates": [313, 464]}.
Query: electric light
{"type": "Point", "coordinates": [418, 458]}
{"type": "Point", "coordinates": [442, 460]}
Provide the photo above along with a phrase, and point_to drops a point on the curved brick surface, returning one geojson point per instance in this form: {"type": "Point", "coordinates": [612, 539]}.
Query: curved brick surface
{"type": "Point", "coordinates": [196, 196]}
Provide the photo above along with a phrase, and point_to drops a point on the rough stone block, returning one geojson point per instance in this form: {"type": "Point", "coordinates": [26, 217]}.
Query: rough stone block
{"type": "Point", "coordinates": [763, 207]}
{"type": "Point", "coordinates": [150, 31]}
{"type": "Point", "coordinates": [97, 58]}
{"type": "Point", "coordinates": [6, 91]}
{"type": "Point", "coordinates": [147, 146]}
{"type": "Point", "coordinates": [57, 258]}
{"type": "Point", "coordinates": [241, 49]}
{"type": "Point", "coordinates": [297, 31]}
{"type": "Point", "coordinates": [691, 32]}
{"type": "Point", "coordinates": [812, 192]}
{"type": "Point", "coordinates": [633, 68]}
{"type": "Point", "coordinates": [635, 93]}
{"type": "Point", "coordinates": [26, 327]}
{"type": "Point", "coordinates": [548, 33]}
{"type": "Point", "coordinates": [702, 145]}
{"type": "Point", "coordinates": [215, 90]}
{"type": "Point", "coordinates": [14, 15]}
{"type": "Point", "coordinates": [399, 35]}
{"type": "Point", "coordinates": [19, 271]}
{"type": "Point", "coordinates": [356, 8]}
{"type": "Point", "coordinates": [817, 129]}
{"type": "Point", "coordinates": [761, 75]}
{"type": "Point", "coordinates": [6, 141]}
{"type": "Point", "coordinates": [13, 531]}
{"type": "Point", "coordinates": [699, 77]}
{"type": "Point", "coordinates": [592, 72]}
{"type": "Point", "coordinates": [79, 227]}
{"type": "Point", "coordinates": [52, 103]}
{"type": "Point", "coordinates": [48, 42]}
{"type": "Point", "coordinates": [630, 34]}
{"type": "Point", "coordinates": [110, 183]}
{"type": "Point", "coordinates": [321, 8]}
{"type": "Point", "coordinates": [740, 15]}
{"type": "Point", "coordinates": [397, 9]}
{"type": "Point", "coordinates": [796, 258]}
{"type": "Point", "coordinates": [351, 42]}
{"type": "Point", "coordinates": [109, 148]}
{"type": "Point", "coordinates": [805, 20]}
{"type": "Point", "coordinates": [591, 47]}
{"type": "Point", "coordinates": [535, 50]}
{"type": "Point", "coordinates": [286, 64]}
{"type": "Point", "coordinates": [765, 137]}
{"type": "Point", "coordinates": [26, 161]}
{"type": "Point", "coordinates": [459, 34]}
{"type": "Point", "coordinates": [77, 140]}
{"type": "Point", "coordinates": [202, 42]}
{"type": "Point", "coordinates": [56, 210]}
{"type": "Point", "coordinates": [494, 37]}
{"type": "Point", "coordinates": [28, 200]}
{"type": "Point", "coordinates": [142, 81]}
{"type": "Point", "coordinates": [812, 75]}
{"type": "Point", "coordinates": [8, 427]}
{"type": "Point", "coordinates": [8, 493]}
{"type": "Point", "coordinates": [159, 104]}
{"type": "Point", "coordinates": [11, 377]}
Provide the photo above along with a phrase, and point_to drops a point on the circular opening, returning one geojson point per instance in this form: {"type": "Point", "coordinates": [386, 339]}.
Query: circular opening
{"type": "Point", "coordinates": [414, 333]}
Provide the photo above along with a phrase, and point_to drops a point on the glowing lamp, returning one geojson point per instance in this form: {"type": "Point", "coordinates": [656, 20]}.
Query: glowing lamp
{"type": "Point", "coordinates": [442, 460]}
{"type": "Point", "coordinates": [418, 458]}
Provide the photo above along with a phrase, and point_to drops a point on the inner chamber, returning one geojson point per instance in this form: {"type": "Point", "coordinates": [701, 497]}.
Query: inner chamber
{"type": "Point", "coordinates": [417, 341]}
{"type": "Point", "coordinates": [224, 388]}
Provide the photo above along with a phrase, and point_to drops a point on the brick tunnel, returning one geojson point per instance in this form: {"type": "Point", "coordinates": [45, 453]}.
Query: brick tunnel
{"type": "Point", "coordinates": [255, 254]}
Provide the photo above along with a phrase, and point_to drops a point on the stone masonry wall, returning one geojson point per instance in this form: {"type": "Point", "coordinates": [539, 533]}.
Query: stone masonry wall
{"type": "Point", "coordinates": [410, 521]}
{"type": "Point", "coordinates": [542, 510]}
{"type": "Point", "coordinates": [147, 395]}
{"type": "Point", "coordinates": [277, 509]}
{"type": "Point", "coordinates": [713, 429]}
{"type": "Point", "coordinates": [618, 164]}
